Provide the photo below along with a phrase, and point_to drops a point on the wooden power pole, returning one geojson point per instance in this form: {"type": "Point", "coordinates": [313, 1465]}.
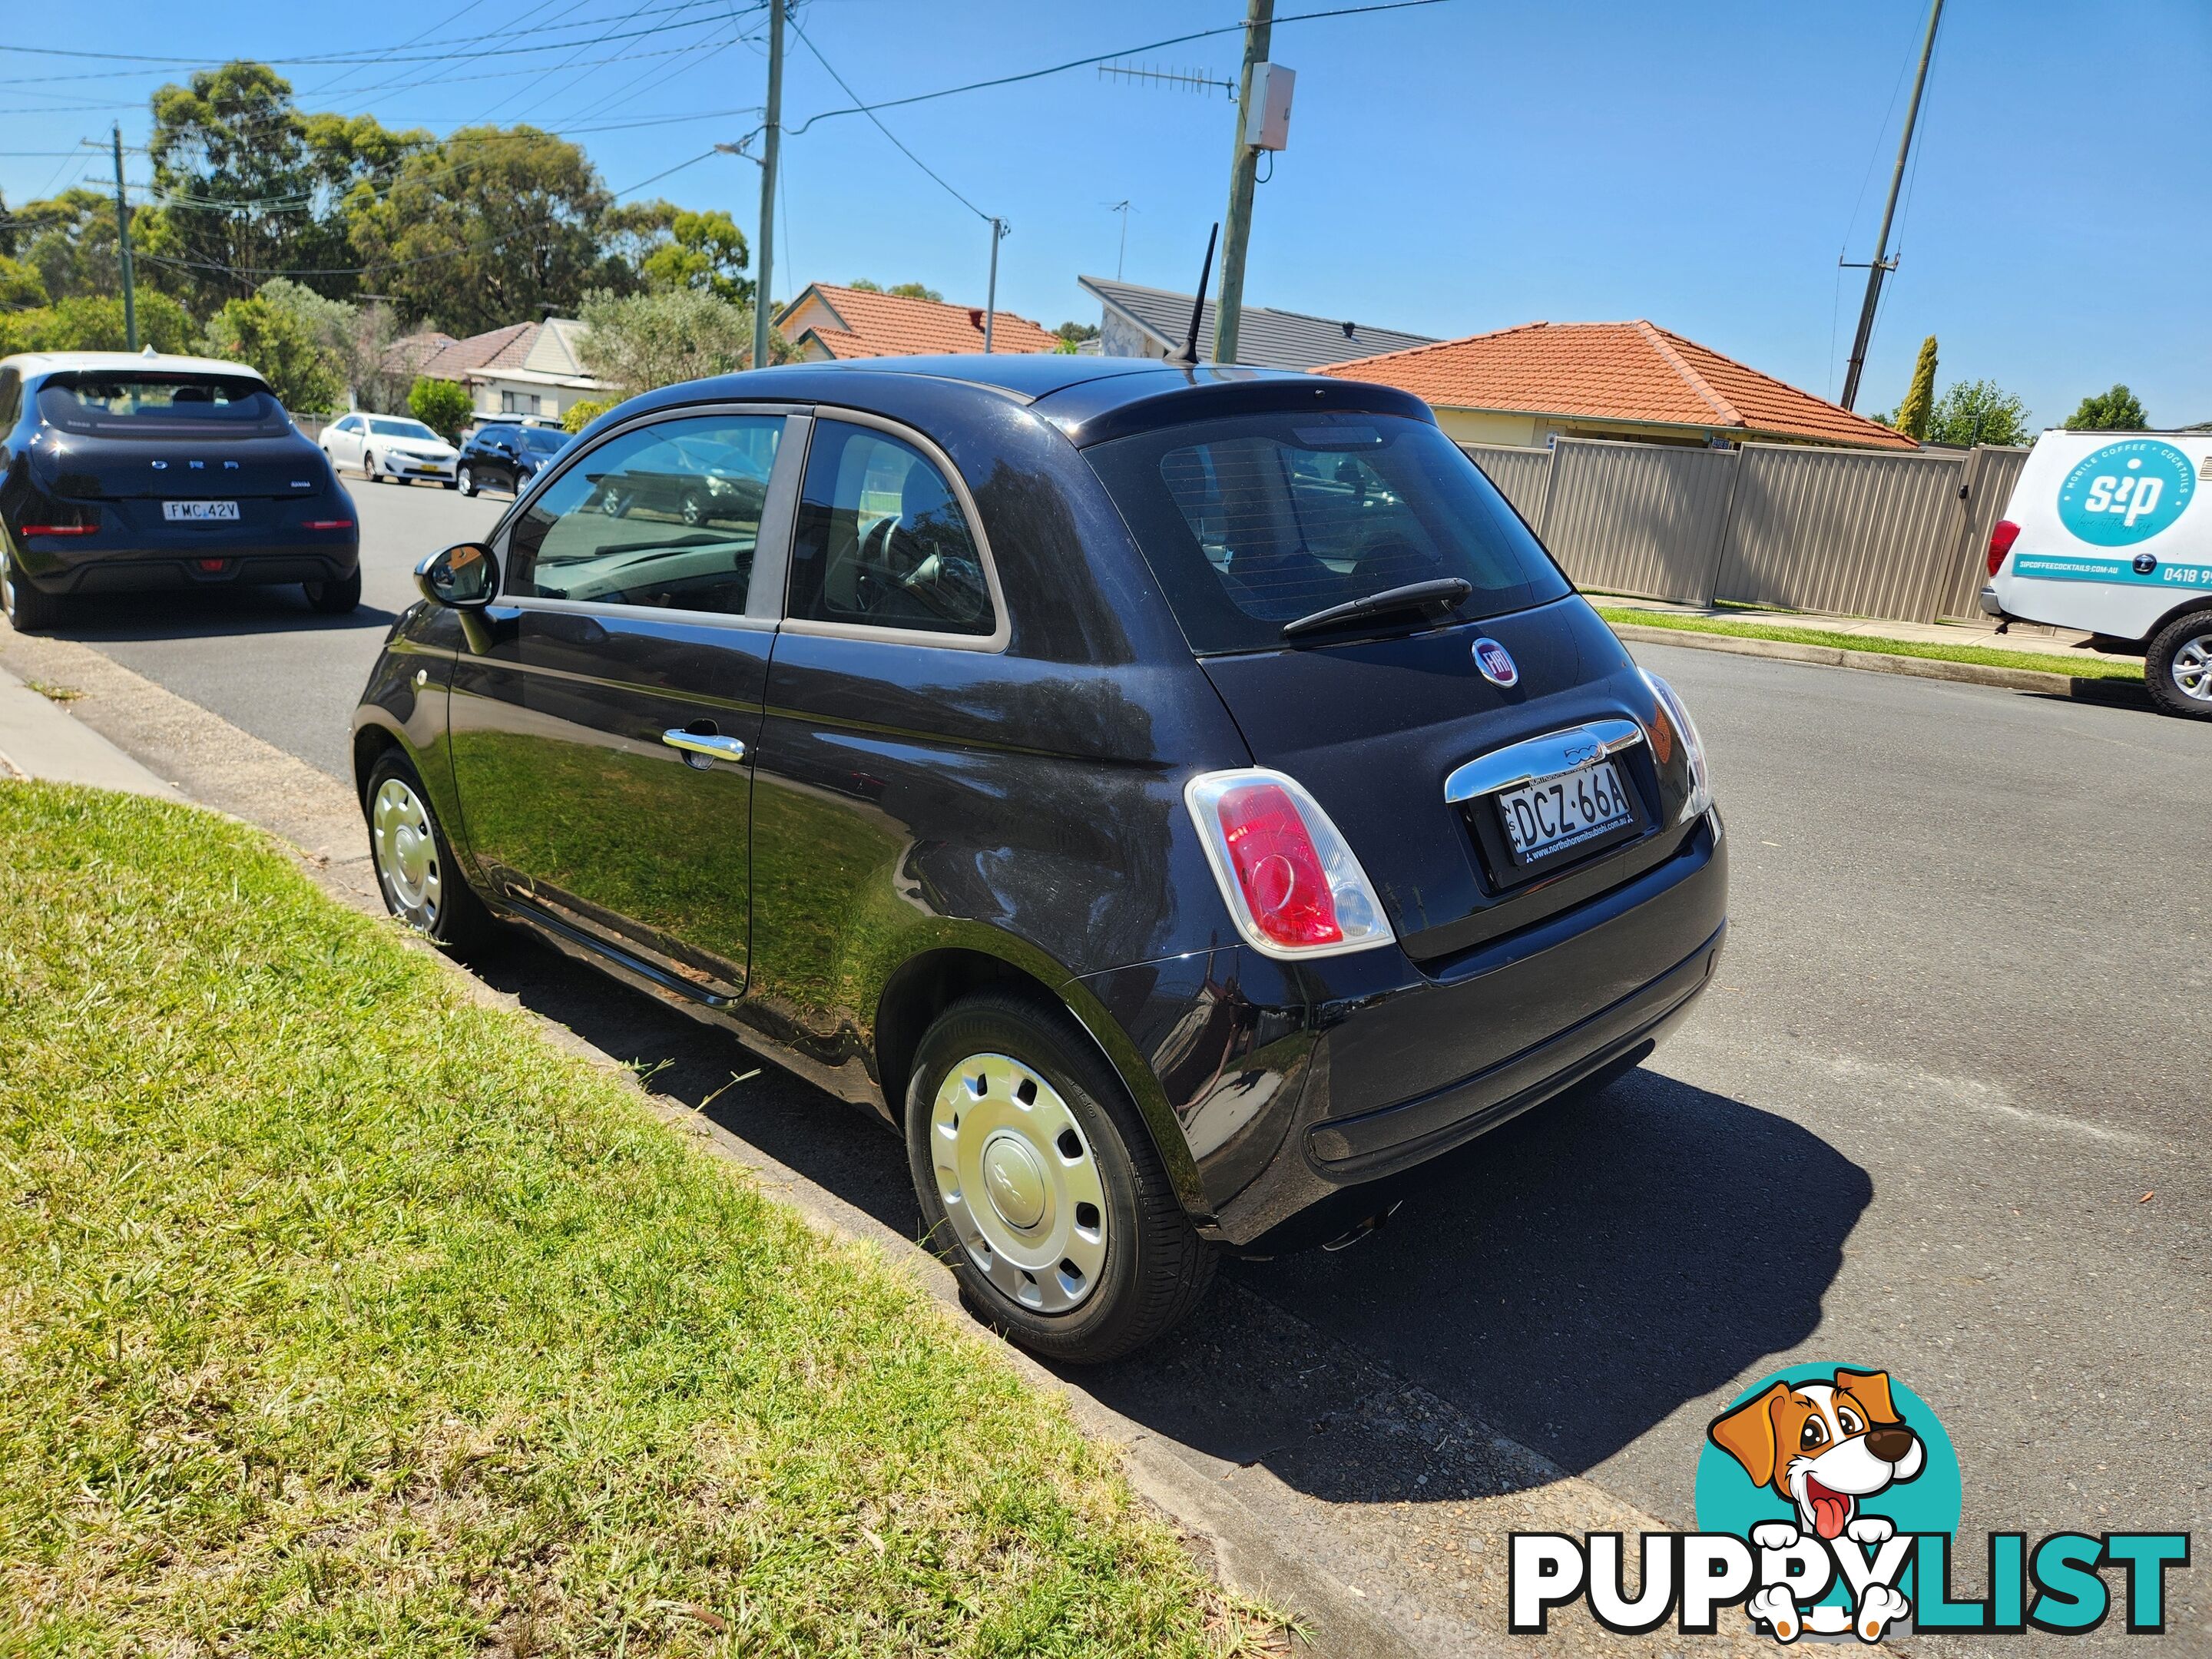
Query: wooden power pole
{"type": "Point", "coordinates": [1881, 267]}
{"type": "Point", "coordinates": [123, 243]}
{"type": "Point", "coordinates": [1244, 177]}
{"type": "Point", "coordinates": [774, 134]}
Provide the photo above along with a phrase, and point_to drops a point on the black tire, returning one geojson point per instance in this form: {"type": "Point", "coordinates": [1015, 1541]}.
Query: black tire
{"type": "Point", "coordinates": [466, 480]}
{"type": "Point", "coordinates": [341, 598]}
{"type": "Point", "coordinates": [2191, 634]}
{"type": "Point", "coordinates": [368, 467]}
{"type": "Point", "coordinates": [30, 610]}
{"type": "Point", "coordinates": [1155, 1267]}
{"type": "Point", "coordinates": [457, 920]}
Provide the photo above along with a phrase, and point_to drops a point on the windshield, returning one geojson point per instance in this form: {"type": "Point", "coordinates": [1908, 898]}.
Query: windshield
{"type": "Point", "coordinates": [384, 426]}
{"type": "Point", "coordinates": [127, 403]}
{"type": "Point", "coordinates": [1256, 521]}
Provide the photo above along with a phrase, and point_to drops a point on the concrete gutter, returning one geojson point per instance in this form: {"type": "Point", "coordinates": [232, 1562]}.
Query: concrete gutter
{"type": "Point", "coordinates": [1882, 662]}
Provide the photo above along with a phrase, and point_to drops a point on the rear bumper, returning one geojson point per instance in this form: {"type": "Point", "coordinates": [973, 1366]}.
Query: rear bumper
{"type": "Point", "coordinates": [1991, 605]}
{"type": "Point", "coordinates": [159, 570]}
{"type": "Point", "coordinates": [1306, 1091]}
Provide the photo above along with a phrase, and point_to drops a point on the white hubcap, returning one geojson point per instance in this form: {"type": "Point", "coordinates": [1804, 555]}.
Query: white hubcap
{"type": "Point", "coordinates": [2193, 668]}
{"type": "Point", "coordinates": [407, 853]}
{"type": "Point", "coordinates": [1020, 1186]}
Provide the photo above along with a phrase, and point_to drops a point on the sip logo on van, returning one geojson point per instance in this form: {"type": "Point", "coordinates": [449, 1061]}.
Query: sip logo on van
{"type": "Point", "coordinates": [2125, 493]}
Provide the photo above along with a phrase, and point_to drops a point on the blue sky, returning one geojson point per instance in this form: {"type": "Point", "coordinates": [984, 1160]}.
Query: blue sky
{"type": "Point", "coordinates": [1453, 167]}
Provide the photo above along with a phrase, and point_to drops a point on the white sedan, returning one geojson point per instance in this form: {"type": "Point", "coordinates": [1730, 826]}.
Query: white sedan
{"type": "Point", "coordinates": [389, 446]}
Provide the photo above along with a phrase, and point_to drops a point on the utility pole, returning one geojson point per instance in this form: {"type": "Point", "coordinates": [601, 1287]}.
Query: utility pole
{"type": "Point", "coordinates": [122, 242]}
{"type": "Point", "coordinates": [1244, 177]}
{"type": "Point", "coordinates": [991, 299]}
{"type": "Point", "coordinates": [1880, 267]}
{"type": "Point", "coordinates": [775, 134]}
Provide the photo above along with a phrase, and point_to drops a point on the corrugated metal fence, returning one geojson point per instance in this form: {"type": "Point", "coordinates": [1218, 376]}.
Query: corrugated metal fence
{"type": "Point", "coordinates": [1853, 531]}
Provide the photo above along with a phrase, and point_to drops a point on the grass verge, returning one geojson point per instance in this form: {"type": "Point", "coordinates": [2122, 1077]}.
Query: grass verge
{"type": "Point", "coordinates": [2079, 665]}
{"type": "Point", "coordinates": [341, 1315]}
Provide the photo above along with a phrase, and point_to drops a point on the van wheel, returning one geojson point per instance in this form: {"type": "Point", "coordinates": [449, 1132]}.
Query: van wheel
{"type": "Point", "coordinates": [1040, 1186]}
{"type": "Point", "coordinates": [2178, 667]}
{"type": "Point", "coordinates": [415, 870]}
{"type": "Point", "coordinates": [31, 610]}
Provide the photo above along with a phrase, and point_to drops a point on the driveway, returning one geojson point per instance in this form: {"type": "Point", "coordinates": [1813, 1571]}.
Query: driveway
{"type": "Point", "coordinates": [1944, 1113]}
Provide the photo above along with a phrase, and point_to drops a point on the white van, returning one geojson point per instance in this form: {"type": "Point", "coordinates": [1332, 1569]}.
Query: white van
{"type": "Point", "coordinates": [2105, 533]}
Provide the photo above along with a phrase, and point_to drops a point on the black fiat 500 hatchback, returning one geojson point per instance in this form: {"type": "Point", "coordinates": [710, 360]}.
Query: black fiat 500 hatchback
{"type": "Point", "coordinates": [1178, 801]}
{"type": "Point", "coordinates": [124, 474]}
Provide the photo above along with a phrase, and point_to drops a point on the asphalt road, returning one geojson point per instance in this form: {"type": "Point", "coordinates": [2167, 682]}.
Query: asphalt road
{"type": "Point", "coordinates": [1945, 1112]}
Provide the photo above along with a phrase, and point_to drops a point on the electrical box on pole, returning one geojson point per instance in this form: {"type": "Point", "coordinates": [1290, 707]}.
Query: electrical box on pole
{"type": "Point", "coordinates": [1267, 111]}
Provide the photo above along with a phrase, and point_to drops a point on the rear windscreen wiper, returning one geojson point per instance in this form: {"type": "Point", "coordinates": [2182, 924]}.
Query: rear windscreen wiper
{"type": "Point", "coordinates": [1439, 595]}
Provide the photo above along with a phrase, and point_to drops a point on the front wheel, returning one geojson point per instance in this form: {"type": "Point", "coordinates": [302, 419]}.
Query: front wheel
{"type": "Point", "coordinates": [466, 480]}
{"type": "Point", "coordinates": [369, 465]}
{"type": "Point", "coordinates": [1040, 1186]}
{"type": "Point", "coordinates": [416, 870]}
{"type": "Point", "coordinates": [2178, 667]}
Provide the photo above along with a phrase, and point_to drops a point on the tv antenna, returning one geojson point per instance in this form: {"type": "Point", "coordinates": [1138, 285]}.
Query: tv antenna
{"type": "Point", "coordinates": [1120, 258]}
{"type": "Point", "coordinates": [1188, 80]}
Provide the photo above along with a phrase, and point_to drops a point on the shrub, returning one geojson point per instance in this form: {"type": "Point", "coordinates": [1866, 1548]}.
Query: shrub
{"type": "Point", "coordinates": [441, 405]}
{"type": "Point", "coordinates": [581, 414]}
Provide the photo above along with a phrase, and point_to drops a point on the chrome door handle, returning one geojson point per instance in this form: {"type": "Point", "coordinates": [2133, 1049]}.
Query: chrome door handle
{"type": "Point", "coordinates": [701, 751]}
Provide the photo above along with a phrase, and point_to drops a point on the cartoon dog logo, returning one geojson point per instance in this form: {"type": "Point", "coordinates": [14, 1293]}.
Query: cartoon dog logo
{"type": "Point", "coordinates": [1824, 1448]}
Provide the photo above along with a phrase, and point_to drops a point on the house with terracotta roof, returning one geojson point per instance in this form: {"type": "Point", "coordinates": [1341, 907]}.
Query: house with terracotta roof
{"type": "Point", "coordinates": [1635, 381]}
{"type": "Point", "coordinates": [524, 369]}
{"type": "Point", "coordinates": [829, 323]}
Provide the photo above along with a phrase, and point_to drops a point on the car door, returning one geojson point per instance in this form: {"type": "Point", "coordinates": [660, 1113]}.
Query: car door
{"type": "Point", "coordinates": [343, 442]}
{"type": "Point", "coordinates": [499, 456]}
{"type": "Point", "coordinates": [603, 744]}
{"type": "Point", "coordinates": [891, 648]}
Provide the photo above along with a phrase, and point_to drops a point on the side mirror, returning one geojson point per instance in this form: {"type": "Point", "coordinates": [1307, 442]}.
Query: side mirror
{"type": "Point", "coordinates": [465, 577]}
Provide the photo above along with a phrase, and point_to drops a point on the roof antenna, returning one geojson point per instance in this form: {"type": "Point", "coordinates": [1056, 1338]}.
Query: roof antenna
{"type": "Point", "coordinates": [1188, 355]}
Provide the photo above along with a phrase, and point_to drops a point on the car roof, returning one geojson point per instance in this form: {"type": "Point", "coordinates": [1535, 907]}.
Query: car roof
{"type": "Point", "coordinates": [28, 363]}
{"type": "Point", "coordinates": [1090, 399]}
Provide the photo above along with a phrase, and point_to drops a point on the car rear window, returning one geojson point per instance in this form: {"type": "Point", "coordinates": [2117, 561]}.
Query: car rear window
{"type": "Point", "coordinates": [130, 402]}
{"type": "Point", "coordinates": [1253, 522]}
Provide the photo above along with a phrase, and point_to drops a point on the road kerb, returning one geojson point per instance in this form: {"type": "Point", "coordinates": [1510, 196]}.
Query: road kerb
{"type": "Point", "coordinates": [1881, 662]}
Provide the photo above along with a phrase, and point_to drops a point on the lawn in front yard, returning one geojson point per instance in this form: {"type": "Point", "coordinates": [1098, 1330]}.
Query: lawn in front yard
{"type": "Point", "coordinates": [341, 1315]}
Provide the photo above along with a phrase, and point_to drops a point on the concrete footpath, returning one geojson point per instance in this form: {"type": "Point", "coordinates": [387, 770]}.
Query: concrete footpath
{"type": "Point", "coordinates": [1387, 1534]}
{"type": "Point", "coordinates": [39, 739]}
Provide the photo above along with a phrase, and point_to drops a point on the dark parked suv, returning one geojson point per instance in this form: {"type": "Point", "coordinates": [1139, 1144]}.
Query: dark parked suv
{"type": "Point", "coordinates": [130, 474]}
{"type": "Point", "coordinates": [506, 455]}
{"type": "Point", "coordinates": [1179, 801]}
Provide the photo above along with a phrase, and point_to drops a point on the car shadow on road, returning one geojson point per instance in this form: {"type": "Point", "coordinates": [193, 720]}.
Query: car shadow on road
{"type": "Point", "coordinates": [199, 613]}
{"type": "Point", "coordinates": [1569, 1281]}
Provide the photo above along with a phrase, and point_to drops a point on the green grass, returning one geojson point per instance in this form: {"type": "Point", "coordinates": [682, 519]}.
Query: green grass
{"type": "Point", "coordinates": [2080, 665]}
{"type": "Point", "coordinates": [339, 1315]}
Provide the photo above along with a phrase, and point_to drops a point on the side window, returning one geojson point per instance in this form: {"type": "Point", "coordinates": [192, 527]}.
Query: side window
{"type": "Point", "coordinates": [881, 541]}
{"type": "Point", "coordinates": [666, 516]}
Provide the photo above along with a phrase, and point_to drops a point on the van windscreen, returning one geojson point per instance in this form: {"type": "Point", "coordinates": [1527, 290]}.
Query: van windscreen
{"type": "Point", "coordinates": [1258, 520]}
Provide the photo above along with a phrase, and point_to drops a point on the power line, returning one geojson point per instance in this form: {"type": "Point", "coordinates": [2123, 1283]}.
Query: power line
{"type": "Point", "coordinates": [1102, 57]}
{"type": "Point", "coordinates": [885, 130]}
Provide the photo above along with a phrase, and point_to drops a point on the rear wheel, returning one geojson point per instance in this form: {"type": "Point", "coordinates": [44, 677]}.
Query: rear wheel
{"type": "Point", "coordinates": [336, 599]}
{"type": "Point", "coordinates": [422, 882]}
{"type": "Point", "coordinates": [2178, 667]}
{"type": "Point", "coordinates": [1041, 1187]}
{"type": "Point", "coordinates": [31, 610]}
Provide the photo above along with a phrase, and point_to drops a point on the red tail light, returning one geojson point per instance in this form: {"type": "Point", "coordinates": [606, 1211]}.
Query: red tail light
{"type": "Point", "coordinates": [1277, 868]}
{"type": "Point", "coordinates": [60, 529]}
{"type": "Point", "coordinates": [2002, 535]}
{"type": "Point", "coordinates": [328, 523]}
{"type": "Point", "coordinates": [1292, 885]}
